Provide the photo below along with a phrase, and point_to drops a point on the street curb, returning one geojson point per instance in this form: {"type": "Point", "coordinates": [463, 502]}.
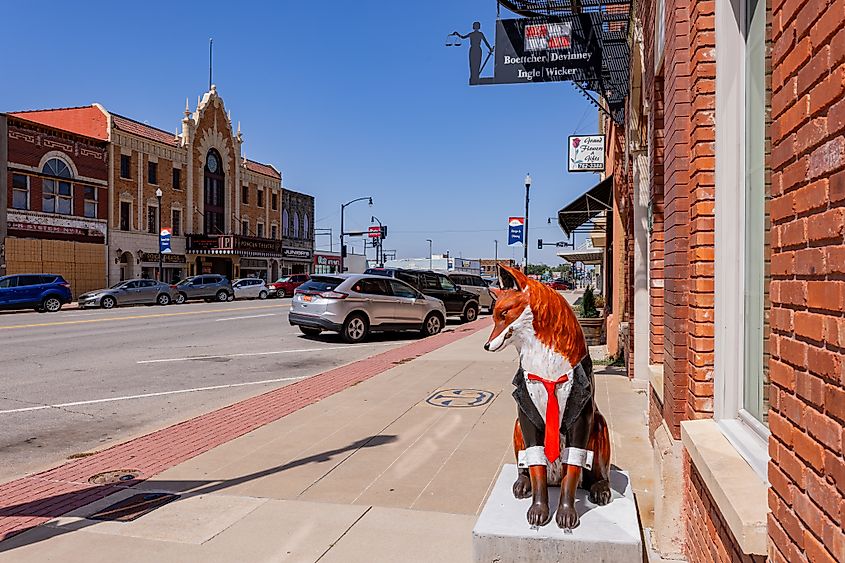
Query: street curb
{"type": "Point", "coordinates": [35, 499]}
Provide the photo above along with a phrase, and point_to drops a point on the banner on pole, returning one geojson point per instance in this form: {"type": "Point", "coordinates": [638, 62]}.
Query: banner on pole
{"type": "Point", "coordinates": [516, 231]}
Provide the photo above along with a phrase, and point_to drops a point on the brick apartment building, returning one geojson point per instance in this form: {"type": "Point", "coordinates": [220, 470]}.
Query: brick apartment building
{"type": "Point", "coordinates": [731, 186]}
{"type": "Point", "coordinates": [56, 198]}
{"type": "Point", "coordinates": [226, 213]}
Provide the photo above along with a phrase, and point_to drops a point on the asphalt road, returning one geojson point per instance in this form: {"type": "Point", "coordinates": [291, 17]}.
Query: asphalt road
{"type": "Point", "coordinates": [74, 382]}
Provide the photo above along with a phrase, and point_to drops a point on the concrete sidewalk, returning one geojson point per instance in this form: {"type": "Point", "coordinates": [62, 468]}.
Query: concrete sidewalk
{"type": "Point", "coordinates": [371, 473]}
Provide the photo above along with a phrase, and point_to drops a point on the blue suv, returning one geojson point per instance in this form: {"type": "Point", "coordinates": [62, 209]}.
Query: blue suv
{"type": "Point", "coordinates": [42, 292]}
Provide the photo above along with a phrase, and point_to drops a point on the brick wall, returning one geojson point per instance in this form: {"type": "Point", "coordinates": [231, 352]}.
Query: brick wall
{"type": "Point", "coordinates": [708, 538]}
{"type": "Point", "coordinates": [807, 210]}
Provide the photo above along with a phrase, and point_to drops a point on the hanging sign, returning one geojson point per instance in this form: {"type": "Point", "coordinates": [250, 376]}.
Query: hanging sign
{"type": "Point", "coordinates": [164, 241]}
{"type": "Point", "coordinates": [547, 49]}
{"type": "Point", "coordinates": [516, 231]}
{"type": "Point", "coordinates": [586, 153]}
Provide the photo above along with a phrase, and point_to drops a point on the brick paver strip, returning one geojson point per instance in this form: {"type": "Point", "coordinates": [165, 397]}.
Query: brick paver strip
{"type": "Point", "coordinates": [32, 500]}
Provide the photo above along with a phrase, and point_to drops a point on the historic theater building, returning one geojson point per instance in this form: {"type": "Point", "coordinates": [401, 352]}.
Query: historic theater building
{"type": "Point", "coordinates": [56, 196]}
{"type": "Point", "coordinates": [226, 213]}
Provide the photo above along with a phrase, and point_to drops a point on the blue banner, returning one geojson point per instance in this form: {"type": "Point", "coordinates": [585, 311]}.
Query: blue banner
{"type": "Point", "coordinates": [164, 241]}
{"type": "Point", "coordinates": [516, 231]}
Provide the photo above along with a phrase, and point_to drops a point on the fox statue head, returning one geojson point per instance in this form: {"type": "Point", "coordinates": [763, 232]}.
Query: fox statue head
{"type": "Point", "coordinates": [537, 320]}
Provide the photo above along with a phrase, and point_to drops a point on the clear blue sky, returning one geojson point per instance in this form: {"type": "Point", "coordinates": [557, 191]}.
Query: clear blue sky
{"type": "Point", "coordinates": [346, 99]}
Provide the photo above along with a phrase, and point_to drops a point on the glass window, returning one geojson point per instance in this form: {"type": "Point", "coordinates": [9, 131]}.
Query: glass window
{"type": "Point", "coordinates": [305, 226]}
{"type": "Point", "coordinates": [245, 228]}
{"type": "Point", "coordinates": [57, 167]}
{"type": "Point", "coordinates": [125, 215]}
{"type": "Point", "coordinates": [245, 194]}
{"type": "Point", "coordinates": [260, 198]}
{"type": "Point", "coordinates": [321, 283]}
{"type": "Point", "coordinates": [29, 280]}
{"type": "Point", "coordinates": [274, 232]}
{"type": "Point", "coordinates": [57, 196]}
{"type": "Point", "coordinates": [260, 231]}
{"type": "Point", "coordinates": [295, 224]}
{"type": "Point", "coordinates": [11, 281]}
{"type": "Point", "coordinates": [275, 200]}
{"type": "Point", "coordinates": [176, 222]}
{"type": "Point", "coordinates": [125, 166]}
{"type": "Point", "coordinates": [447, 284]}
{"type": "Point", "coordinates": [756, 298]}
{"type": "Point", "coordinates": [91, 195]}
{"type": "Point", "coordinates": [152, 216]}
{"type": "Point", "coordinates": [20, 191]}
{"type": "Point", "coordinates": [285, 222]}
{"type": "Point", "coordinates": [372, 286]}
{"type": "Point", "coordinates": [152, 172]}
{"type": "Point", "coordinates": [402, 290]}
{"type": "Point", "coordinates": [177, 178]}
{"type": "Point", "coordinates": [430, 281]}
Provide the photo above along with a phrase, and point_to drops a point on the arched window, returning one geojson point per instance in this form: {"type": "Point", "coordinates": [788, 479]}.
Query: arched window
{"type": "Point", "coordinates": [295, 224]}
{"type": "Point", "coordinates": [285, 223]}
{"type": "Point", "coordinates": [57, 190]}
{"type": "Point", "coordinates": [214, 182]}
{"type": "Point", "coordinates": [305, 226]}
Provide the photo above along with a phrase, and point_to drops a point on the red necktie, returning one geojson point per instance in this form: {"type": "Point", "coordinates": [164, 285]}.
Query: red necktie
{"type": "Point", "coordinates": [552, 442]}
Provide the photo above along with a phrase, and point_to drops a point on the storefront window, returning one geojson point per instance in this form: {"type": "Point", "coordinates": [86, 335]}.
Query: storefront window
{"type": "Point", "coordinates": [755, 387]}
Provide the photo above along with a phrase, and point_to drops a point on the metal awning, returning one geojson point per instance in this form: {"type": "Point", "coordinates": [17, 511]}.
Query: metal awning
{"type": "Point", "coordinates": [587, 206]}
{"type": "Point", "coordinates": [589, 256]}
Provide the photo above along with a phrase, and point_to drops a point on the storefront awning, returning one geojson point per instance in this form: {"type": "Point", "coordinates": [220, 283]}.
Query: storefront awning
{"type": "Point", "coordinates": [586, 207]}
{"type": "Point", "coordinates": [589, 256]}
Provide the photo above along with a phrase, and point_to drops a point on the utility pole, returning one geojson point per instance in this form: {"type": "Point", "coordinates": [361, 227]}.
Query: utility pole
{"type": "Point", "coordinates": [430, 261]}
{"type": "Point", "coordinates": [525, 235]}
{"type": "Point", "coordinates": [343, 207]}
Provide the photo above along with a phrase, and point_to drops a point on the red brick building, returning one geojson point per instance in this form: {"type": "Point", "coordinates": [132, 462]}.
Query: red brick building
{"type": "Point", "coordinates": [732, 193]}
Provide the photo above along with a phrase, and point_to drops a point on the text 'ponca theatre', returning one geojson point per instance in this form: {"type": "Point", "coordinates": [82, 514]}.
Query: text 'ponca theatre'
{"type": "Point", "coordinates": [227, 214]}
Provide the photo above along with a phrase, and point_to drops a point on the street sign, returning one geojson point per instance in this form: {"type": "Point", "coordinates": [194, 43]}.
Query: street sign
{"type": "Point", "coordinates": [374, 232]}
{"type": "Point", "coordinates": [516, 231]}
{"type": "Point", "coordinates": [164, 241]}
{"type": "Point", "coordinates": [586, 153]}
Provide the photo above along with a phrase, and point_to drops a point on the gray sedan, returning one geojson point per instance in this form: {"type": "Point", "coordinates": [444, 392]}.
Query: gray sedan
{"type": "Point", "coordinates": [355, 305]}
{"type": "Point", "coordinates": [130, 292]}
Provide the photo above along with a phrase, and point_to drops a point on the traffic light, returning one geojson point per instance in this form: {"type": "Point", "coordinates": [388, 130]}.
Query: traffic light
{"type": "Point", "coordinates": [540, 243]}
{"type": "Point", "coordinates": [383, 232]}
{"type": "Point", "coordinates": [343, 251]}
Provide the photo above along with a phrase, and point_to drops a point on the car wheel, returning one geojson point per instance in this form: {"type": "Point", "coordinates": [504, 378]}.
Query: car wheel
{"type": "Point", "coordinates": [108, 302]}
{"type": "Point", "coordinates": [309, 331]}
{"type": "Point", "coordinates": [470, 313]}
{"type": "Point", "coordinates": [163, 299]}
{"type": "Point", "coordinates": [262, 295]}
{"type": "Point", "coordinates": [355, 329]}
{"type": "Point", "coordinates": [181, 298]}
{"type": "Point", "coordinates": [222, 296]}
{"type": "Point", "coordinates": [281, 293]}
{"type": "Point", "coordinates": [231, 297]}
{"type": "Point", "coordinates": [432, 325]}
{"type": "Point", "coordinates": [51, 304]}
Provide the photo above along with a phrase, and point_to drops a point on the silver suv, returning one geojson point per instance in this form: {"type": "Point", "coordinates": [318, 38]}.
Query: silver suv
{"type": "Point", "coordinates": [477, 285]}
{"type": "Point", "coordinates": [356, 304]}
{"type": "Point", "coordinates": [211, 287]}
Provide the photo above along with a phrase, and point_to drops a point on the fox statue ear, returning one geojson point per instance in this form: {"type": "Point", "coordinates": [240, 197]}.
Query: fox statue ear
{"type": "Point", "coordinates": [511, 278]}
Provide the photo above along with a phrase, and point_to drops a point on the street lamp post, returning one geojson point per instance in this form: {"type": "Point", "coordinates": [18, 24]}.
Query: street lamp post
{"type": "Point", "coordinates": [379, 252]}
{"type": "Point", "coordinates": [343, 207]}
{"type": "Point", "coordinates": [526, 238]}
{"type": "Point", "coordinates": [160, 254]}
{"type": "Point", "coordinates": [430, 262]}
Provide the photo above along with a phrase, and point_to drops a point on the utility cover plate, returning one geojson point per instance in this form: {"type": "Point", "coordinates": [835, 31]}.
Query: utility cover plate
{"type": "Point", "coordinates": [133, 507]}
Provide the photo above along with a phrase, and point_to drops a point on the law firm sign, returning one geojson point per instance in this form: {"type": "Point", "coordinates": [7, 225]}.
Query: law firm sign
{"type": "Point", "coordinates": [586, 153]}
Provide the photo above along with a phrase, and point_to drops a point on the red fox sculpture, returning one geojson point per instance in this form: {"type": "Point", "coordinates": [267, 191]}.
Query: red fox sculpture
{"type": "Point", "coordinates": [560, 438]}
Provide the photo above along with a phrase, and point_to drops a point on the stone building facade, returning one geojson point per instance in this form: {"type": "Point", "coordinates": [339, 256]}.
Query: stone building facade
{"type": "Point", "coordinates": [57, 197]}
{"type": "Point", "coordinates": [732, 194]}
{"type": "Point", "coordinates": [225, 212]}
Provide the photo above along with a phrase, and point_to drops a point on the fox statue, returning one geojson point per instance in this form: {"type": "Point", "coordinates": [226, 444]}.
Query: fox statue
{"type": "Point", "coordinates": [560, 438]}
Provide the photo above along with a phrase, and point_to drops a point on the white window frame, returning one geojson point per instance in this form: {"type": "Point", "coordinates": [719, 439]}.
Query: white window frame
{"type": "Point", "coordinates": [659, 33]}
{"type": "Point", "coordinates": [173, 212]}
{"type": "Point", "coordinates": [747, 434]}
{"type": "Point", "coordinates": [95, 201]}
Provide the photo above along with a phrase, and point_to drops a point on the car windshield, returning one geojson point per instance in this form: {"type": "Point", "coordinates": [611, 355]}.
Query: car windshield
{"type": "Point", "coordinates": [321, 284]}
{"type": "Point", "coordinates": [283, 279]}
{"type": "Point", "coordinates": [186, 281]}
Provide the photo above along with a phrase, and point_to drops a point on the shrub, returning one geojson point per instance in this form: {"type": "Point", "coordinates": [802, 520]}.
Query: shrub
{"type": "Point", "coordinates": [588, 304]}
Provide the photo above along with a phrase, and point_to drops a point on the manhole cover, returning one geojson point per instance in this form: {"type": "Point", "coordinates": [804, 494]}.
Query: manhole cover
{"type": "Point", "coordinates": [460, 398]}
{"type": "Point", "coordinates": [134, 507]}
{"type": "Point", "coordinates": [114, 476]}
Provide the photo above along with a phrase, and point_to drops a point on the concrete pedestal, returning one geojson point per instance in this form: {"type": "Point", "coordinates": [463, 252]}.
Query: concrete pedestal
{"type": "Point", "coordinates": [608, 534]}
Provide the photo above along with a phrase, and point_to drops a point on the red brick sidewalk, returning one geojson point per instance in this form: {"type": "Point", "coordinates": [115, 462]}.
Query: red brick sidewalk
{"type": "Point", "coordinates": [30, 501]}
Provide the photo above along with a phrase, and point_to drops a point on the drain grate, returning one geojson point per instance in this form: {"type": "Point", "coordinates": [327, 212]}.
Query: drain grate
{"type": "Point", "coordinates": [114, 476]}
{"type": "Point", "coordinates": [133, 507]}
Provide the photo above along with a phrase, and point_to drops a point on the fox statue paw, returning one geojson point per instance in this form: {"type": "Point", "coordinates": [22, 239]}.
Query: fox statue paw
{"type": "Point", "coordinates": [600, 493]}
{"type": "Point", "coordinates": [567, 517]}
{"type": "Point", "coordinates": [538, 514]}
{"type": "Point", "coordinates": [522, 487]}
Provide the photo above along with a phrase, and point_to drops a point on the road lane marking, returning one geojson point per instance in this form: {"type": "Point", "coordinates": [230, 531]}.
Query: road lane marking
{"type": "Point", "coordinates": [159, 394]}
{"type": "Point", "coordinates": [133, 317]}
{"type": "Point", "coordinates": [249, 354]}
{"type": "Point", "coordinates": [246, 317]}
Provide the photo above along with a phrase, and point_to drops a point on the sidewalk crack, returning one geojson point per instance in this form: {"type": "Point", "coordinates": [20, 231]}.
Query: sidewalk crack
{"type": "Point", "coordinates": [346, 531]}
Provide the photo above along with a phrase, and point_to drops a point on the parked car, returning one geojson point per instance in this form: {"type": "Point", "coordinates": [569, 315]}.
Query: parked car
{"type": "Point", "coordinates": [286, 285]}
{"type": "Point", "coordinates": [250, 288]}
{"type": "Point", "coordinates": [130, 292]}
{"type": "Point", "coordinates": [457, 301]}
{"type": "Point", "coordinates": [42, 292]}
{"type": "Point", "coordinates": [477, 285]}
{"type": "Point", "coordinates": [211, 287]}
{"type": "Point", "coordinates": [355, 305]}
{"type": "Point", "coordinates": [561, 284]}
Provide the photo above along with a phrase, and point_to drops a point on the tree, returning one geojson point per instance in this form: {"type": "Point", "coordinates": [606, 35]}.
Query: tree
{"type": "Point", "coordinates": [536, 269]}
{"type": "Point", "coordinates": [588, 304]}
